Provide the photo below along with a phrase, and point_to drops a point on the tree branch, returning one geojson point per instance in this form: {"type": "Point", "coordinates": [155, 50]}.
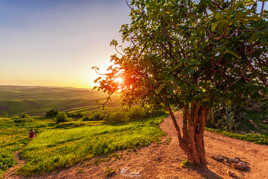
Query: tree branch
{"type": "Point", "coordinates": [262, 8]}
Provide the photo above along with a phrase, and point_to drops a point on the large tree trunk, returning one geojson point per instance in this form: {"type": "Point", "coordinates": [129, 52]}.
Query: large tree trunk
{"type": "Point", "coordinates": [192, 138]}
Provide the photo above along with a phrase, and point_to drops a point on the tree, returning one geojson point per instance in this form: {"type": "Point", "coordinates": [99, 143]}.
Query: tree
{"type": "Point", "coordinates": [51, 113]}
{"type": "Point", "coordinates": [191, 55]}
{"type": "Point", "coordinates": [61, 117]}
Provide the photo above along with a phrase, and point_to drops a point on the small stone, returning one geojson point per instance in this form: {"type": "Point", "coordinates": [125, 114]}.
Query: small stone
{"type": "Point", "coordinates": [219, 158]}
{"type": "Point", "coordinates": [243, 166]}
{"type": "Point", "coordinates": [158, 159]}
{"type": "Point", "coordinates": [235, 160]}
{"type": "Point", "coordinates": [232, 174]}
{"type": "Point", "coordinates": [124, 170]}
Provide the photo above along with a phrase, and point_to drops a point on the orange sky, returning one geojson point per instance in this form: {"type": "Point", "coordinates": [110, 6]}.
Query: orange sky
{"type": "Point", "coordinates": [55, 43]}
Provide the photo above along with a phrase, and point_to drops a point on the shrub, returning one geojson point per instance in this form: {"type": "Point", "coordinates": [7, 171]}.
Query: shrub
{"type": "Point", "coordinates": [25, 115]}
{"type": "Point", "coordinates": [61, 117]}
{"type": "Point", "coordinates": [51, 113]}
{"type": "Point", "coordinates": [155, 112]}
{"type": "Point", "coordinates": [76, 115]}
{"type": "Point", "coordinates": [185, 164]}
{"type": "Point", "coordinates": [22, 120]}
{"type": "Point", "coordinates": [230, 118]}
{"type": "Point", "coordinates": [117, 116]}
{"type": "Point", "coordinates": [137, 112]}
{"type": "Point", "coordinates": [95, 116]}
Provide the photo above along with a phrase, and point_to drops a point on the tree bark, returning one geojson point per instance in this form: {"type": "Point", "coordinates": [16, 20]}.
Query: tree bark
{"type": "Point", "coordinates": [192, 138]}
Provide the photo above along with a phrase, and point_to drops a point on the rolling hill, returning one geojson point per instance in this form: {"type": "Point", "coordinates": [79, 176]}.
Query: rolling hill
{"type": "Point", "coordinates": [37, 100]}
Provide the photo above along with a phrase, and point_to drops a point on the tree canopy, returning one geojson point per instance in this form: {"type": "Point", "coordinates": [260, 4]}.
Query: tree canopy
{"type": "Point", "coordinates": [191, 54]}
{"type": "Point", "coordinates": [211, 51]}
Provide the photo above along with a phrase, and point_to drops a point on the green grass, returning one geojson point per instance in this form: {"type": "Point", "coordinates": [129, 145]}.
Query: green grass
{"type": "Point", "coordinates": [11, 139]}
{"type": "Point", "coordinates": [59, 148]}
{"type": "Point", "coordinates": [13, 136]}
{"type": "Point", "coordinates": [60, 145]}
{"type": "Point", "coordinates": [255, 138]}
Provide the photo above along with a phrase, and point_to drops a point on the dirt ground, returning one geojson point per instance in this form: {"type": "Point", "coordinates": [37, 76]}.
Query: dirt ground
{"type": "Point", "coordinates": [162, 161]}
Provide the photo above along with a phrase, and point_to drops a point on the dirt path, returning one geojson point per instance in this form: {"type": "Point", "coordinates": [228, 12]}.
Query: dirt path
{"type": "Point", "coordinates": [163, 160]}
{"type": "Point", "coordinates": [11, 172]}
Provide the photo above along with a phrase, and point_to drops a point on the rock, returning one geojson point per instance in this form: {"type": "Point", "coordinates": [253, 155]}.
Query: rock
{"type": "Point", "coordinates": [232, 174]}
{"type": "Point", "coordinates": [135, 174]}
{"type": "Point", "coordinates": [125, 172]}
{"type": "Point", "coordinates": [235, 162]}
{"type": "Point", "coordinates": [243, 166]}
{"type": "Point", "coordinates": [219, 158]}
{"type": "Point", "coordinates": [158, 159]}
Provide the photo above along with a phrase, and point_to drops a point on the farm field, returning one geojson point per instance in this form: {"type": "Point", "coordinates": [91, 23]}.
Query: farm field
{"type": "Point", "coordinates": [16, 100]}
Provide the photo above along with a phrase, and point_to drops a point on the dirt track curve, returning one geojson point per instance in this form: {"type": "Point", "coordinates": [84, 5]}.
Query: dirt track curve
{"type": "Point", "coordinates": [163, 160]}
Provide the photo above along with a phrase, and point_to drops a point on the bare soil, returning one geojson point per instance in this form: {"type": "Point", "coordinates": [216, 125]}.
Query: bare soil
{"type": "Point", "coordinates": [12, 171]}
{"type": "Point", "coordinates": [163, 160]}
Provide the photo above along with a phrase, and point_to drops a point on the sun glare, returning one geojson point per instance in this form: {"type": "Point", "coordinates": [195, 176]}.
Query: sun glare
{"type": "Point", "coordinates": [119, 80]}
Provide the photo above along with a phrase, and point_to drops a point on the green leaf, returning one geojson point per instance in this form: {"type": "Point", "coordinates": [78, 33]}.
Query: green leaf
{"type": "Point", "coordinates": [214, 26]}
{"type": "Point", "coordinates": [231, 52]}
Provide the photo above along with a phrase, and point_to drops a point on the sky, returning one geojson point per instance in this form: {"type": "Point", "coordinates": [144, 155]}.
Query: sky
{"type": "Point", "coordinates": [56, 42]}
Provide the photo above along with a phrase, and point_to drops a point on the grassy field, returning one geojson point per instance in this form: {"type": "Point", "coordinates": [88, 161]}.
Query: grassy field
{"type": "Point", "coordinates": [14, 135]}
{"type": "Point", "coordinates": [63, 148]}
{"type": "Point", "coordinates": [37, 100]}
{"type": "Point", "coordinates": [60, 145]}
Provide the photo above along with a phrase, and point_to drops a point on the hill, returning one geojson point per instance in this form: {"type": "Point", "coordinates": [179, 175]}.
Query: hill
{"type": "Point", "coordinates": [37, 100]}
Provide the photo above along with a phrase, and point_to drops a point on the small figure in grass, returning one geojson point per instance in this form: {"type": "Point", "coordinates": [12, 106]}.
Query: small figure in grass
{"type": "Point", "coordinates": [31, 134]}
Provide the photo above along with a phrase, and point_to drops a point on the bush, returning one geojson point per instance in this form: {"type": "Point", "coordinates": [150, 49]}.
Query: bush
{"type": "Point", "coordinates": [156, 113]}
{"type": "Point", "coordinates": [118, 116]}
{"type": "Point", "coordinates": [137, 112]}
{"type": "Point", "coordinates": [185, 164]}
{"type": "Point", "coordinates": [61, 117]}
{"type": "Point", "coordinates": [95, 116]}
{"type": "Point", "coordinates": [230, 118]}
{"type": "Point", "coordinates": [25, 115]}
{"type": "Point", "coordinates": [22, 120]}
{"type": "Point", "coordinates": [76, 115]}
{"type": "Point", "coordinates": [237, 118]}
{"type": "Point", "coordinates": [51, 113]}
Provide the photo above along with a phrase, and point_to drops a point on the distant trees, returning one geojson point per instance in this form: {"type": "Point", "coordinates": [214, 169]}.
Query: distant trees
{"type": "Point", "coordinates": [51, 113]}
{"type": "Point", "coordinates": [61, 117]}
{"type": "Point", "coordinates": [191, 55]}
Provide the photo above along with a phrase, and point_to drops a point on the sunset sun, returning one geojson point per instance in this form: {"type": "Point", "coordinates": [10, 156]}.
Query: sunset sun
{"type": "Point", "coordinates": [119, 80]}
